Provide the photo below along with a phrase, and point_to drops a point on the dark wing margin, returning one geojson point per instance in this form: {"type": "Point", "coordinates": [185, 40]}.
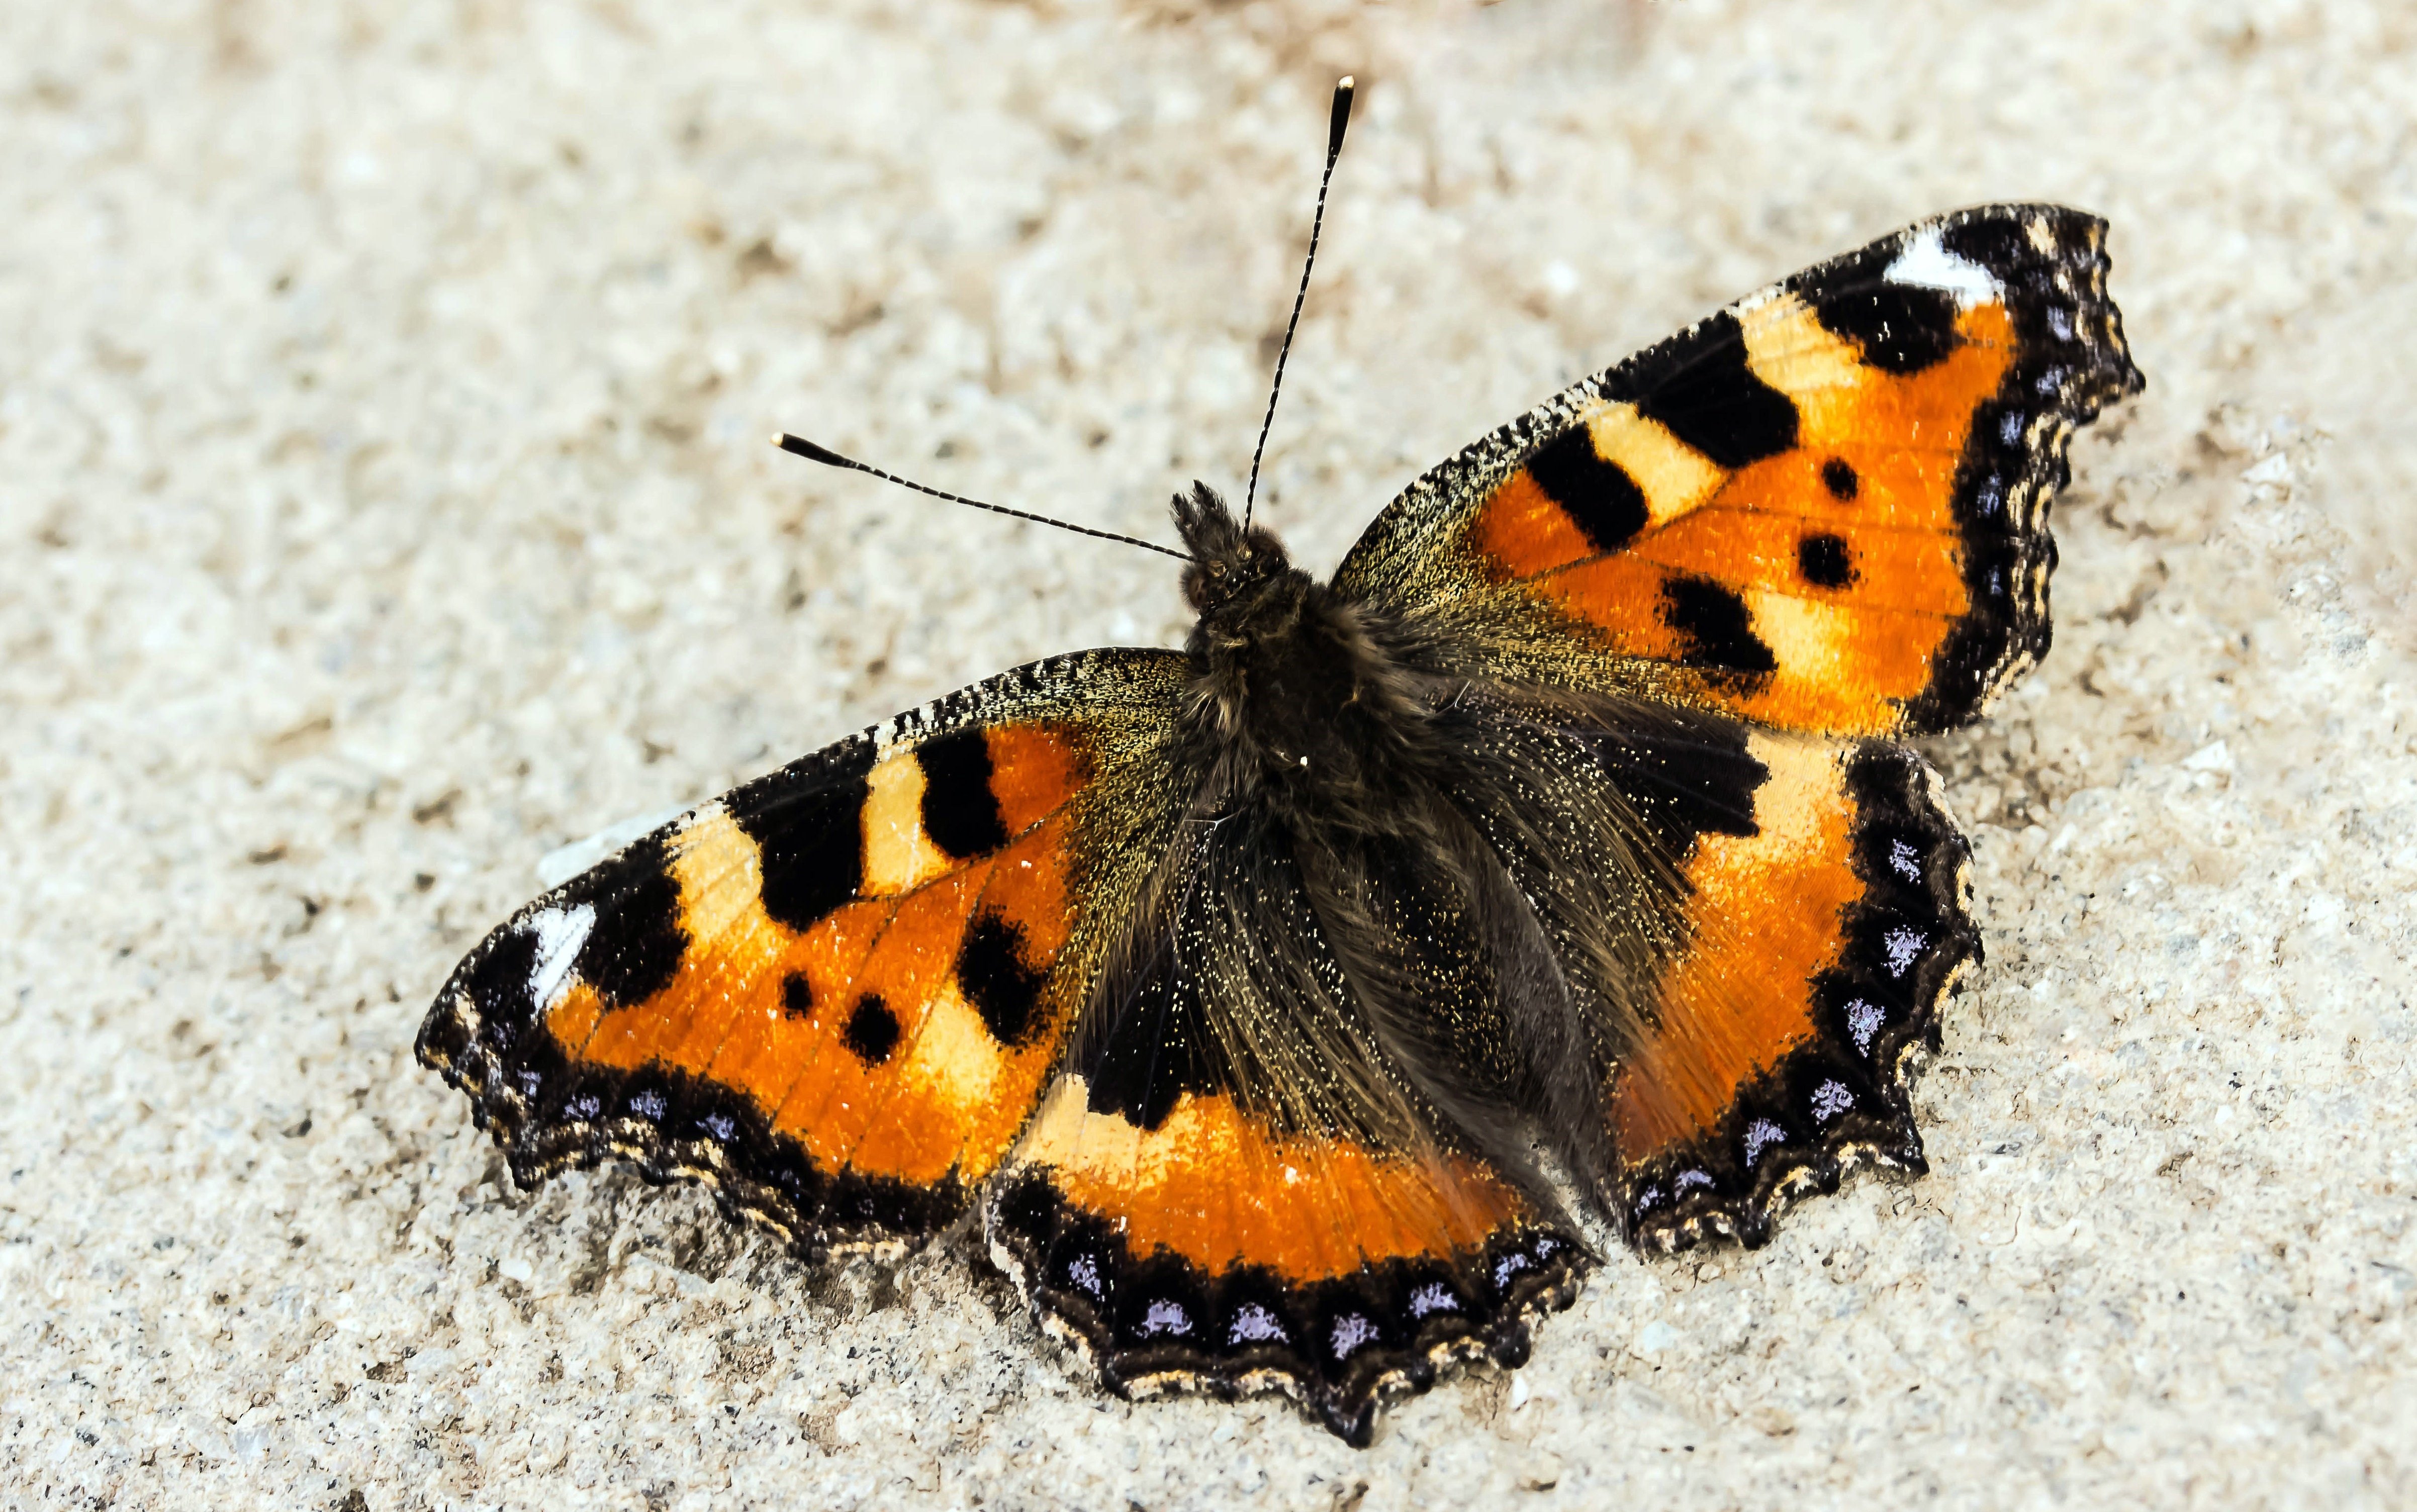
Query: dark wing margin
{"type": "Point", "coordinates": [832, 994]}
{"type": "Point", "coordinates": [1341, 1345]}
{"type": "Point", "coordinates": [2071, 362]}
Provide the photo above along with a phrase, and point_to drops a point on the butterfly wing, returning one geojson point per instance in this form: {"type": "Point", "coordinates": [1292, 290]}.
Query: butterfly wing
{"type": "Point", "coordinates": [835, 992]}
{"type": "Point", "coordinates": [1234, 1187]}
{"type": "Point", "coordinates": [1825, 918]}
{"type": "Point", "coordinates": [1822, 509]}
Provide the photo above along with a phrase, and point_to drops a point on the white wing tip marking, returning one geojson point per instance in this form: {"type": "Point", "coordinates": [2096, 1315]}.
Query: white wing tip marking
{"type": "Point", "coordinates": [1926, 263]}
{"type": "Point", "coordinates": [560, 933]}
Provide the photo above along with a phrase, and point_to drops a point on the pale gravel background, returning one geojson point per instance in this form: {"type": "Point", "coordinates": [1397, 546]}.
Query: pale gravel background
{"type": "Point", "coordinates": [384, 502]}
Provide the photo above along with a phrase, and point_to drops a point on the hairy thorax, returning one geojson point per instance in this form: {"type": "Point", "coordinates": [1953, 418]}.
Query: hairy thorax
{"type": "Point", "coordinates": [1303, 701]}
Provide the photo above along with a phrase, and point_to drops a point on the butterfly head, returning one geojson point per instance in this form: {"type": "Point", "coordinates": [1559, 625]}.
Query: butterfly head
{"type": "Point", "coordinates": [1232, 564]}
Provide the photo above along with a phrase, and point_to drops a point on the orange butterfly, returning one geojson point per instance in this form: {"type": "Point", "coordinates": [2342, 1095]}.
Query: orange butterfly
{"type": "Point", "coordinates": [1288, 1001]}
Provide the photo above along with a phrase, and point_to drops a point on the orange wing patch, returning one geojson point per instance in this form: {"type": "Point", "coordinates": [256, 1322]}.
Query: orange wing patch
{"type": "Point", "coordinates": [1210, 1251]}
{"type": "Point", "coordinates": [1213, 1186]}
{"type": "Point", "coordinates": [1742, 995]}
{"type": "Point", "coordinates": [1034, 770]}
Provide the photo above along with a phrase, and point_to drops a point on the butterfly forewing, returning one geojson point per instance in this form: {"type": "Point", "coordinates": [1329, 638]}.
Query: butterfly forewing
{"type": "Point", "coordinates": [1822, 509]}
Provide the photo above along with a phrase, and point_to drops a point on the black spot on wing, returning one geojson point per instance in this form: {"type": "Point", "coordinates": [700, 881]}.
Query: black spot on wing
{"type": "Point", "coordinates": [497, 981]}
{"type": "Point", "coordinates": [1598, 497]}
{"type": "Point", "coordinates": [992, 973]}
{"type": "Point", "coordinates": [797, 996]}
{"type": "Point", "coordinates": [1698, 387]}
{"type": "Point", "coordinates": [808, 818]}
{"type": "Point", "coordinates": [1157, 1046]}
{"type": "Point", "coordinates": [872, 1030]}
{"type": "Point", "coordinates": [1685, 775]}
{"type": "Point", "coordinates": [1824, 561]}
{"type": "Point", "coordinates": [960, 814]}
{"type": "Point", "coordinates": [1900, 329]}
{"type": "Point", "coordinates": [1716, 625]}
{"type": "Point", "coordinates": [635, 945]}
{"type": "Point", "coordinates": [1838, 476]}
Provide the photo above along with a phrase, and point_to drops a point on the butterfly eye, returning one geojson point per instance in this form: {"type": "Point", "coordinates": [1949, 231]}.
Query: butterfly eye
{"type": "Point", "coordinates": [1216, 570]}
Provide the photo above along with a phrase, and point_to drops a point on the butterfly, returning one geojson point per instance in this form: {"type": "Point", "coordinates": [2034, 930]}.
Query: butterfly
{"type": "Point", "coordinates": [1291, 1008]}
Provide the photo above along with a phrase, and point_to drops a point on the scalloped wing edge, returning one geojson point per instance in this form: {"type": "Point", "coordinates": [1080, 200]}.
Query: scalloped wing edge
{"type": "Point", "coordinates": [1747, 1179]}
{"type": "Point", "coordinates": [1542, 1269]}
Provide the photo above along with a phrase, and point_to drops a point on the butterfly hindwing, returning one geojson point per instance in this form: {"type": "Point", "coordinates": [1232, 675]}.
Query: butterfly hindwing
{"type": "Point", "coordinates": [1821, 508]}
{"type": "Point", "coordinates": [1821, 935]}
{"type": "Point", "coordinates": [1234, 1187]}
{"type": "Point", "coordinates": [836, 991]}
{"type": "Point", "coordinates": [1211, 1255]}
{"type": "Point", "coordinates": [1754, 924]}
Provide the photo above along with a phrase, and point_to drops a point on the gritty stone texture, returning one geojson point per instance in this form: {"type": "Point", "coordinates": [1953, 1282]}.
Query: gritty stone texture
{"type": "Point", "coordinates": [383, 503]}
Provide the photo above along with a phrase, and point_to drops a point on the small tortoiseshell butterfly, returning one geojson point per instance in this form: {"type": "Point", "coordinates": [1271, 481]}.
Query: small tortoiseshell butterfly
{"type": "Point", "coordinates": [1290, 1006]}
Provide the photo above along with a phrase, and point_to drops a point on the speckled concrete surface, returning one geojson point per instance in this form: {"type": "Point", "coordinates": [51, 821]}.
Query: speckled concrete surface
{"type": "Point", "coordinates": [383, 503]}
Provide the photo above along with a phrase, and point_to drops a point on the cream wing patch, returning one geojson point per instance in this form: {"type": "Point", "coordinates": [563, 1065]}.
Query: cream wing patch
{"type": "Point", "coordinates": [899, 856]}
{"type": "Point", "coordinates": [1810, 639]}
{"type": "Point", "coordinates": [952, 1055]}
{"type": "Point", "coordinates": [705, 853]}
{"type": "Point", "coordinates": [1787, 347]}
{"type": "Point", "coordinates": [1674, 477]}
{"type": "Point", "coordinates": [1788, 809]}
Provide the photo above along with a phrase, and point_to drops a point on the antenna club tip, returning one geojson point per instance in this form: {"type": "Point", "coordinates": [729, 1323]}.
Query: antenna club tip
{"type": "Point", "coordinates": [799, 445]}
{"type": "Point", "coordinates": [1346, 85]}
{"type": "Point", "coordinates": [1340, 118]}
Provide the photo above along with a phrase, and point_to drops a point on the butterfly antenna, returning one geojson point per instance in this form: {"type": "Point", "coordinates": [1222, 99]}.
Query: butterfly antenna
{"type": "Point", "coordinates": [1335, 123]}
{"type": "Point", "coordinates": [801, 446]}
